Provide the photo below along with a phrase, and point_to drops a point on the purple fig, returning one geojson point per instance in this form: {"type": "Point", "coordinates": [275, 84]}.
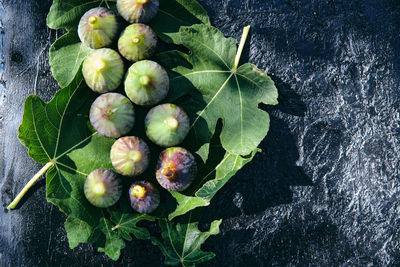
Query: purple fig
{"type": "Point", "coordinates": [112, 115]}
{"type": "Point", "coordinates": [176, 169]}
{"type": "Point", "coordinates": [144, 197]}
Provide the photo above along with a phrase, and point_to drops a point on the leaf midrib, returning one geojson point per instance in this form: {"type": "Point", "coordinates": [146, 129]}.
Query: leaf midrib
{"type": "Point", "coordinates": [63, 115]}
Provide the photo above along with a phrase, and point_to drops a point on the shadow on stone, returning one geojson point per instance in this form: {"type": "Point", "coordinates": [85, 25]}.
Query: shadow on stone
{"type": "Point", "coordinates": [266, 181]}
{"type": "Point", "coordinates": [289, 101]}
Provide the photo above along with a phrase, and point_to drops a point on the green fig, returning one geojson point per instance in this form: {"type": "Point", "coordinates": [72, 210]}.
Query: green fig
{"type": "Point", "coordinates": [112, 115]}
{"type": "Point", "coordinates": [130, 156]}
{"type": "Point", "coordinates": [137, 42]}
{"type": "Point", "coordinates": [103, 188]}
{"type": "Point", "coordinates": [98, 27]}
{"type": "Point", "coordinates": [146, 83]}
{"type": "Point", "coordinates": [135, 11]}
{"type": "Point", "coordinates": [167, 125]}
{"type": "Point", "coordinates": [103, 70]}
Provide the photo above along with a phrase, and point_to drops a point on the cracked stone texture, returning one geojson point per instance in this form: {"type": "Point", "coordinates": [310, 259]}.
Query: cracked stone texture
{"type": "Point", "coordinates": [325, 190]}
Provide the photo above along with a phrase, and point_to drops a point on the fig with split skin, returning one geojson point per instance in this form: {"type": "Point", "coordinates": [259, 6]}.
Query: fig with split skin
{"type": "Point", "coordinates": [137, 42]}
{"type": "Point", "coordinates": [103, 188]}
{"type": "Point", "coordinates": [98, 28]}
{"type": "Point", "coordinates": [103, 70]}
{"type": "Point", "coordinates": [176, 169]}
{"type": "Point", "coordinates": [135, 11]}
{"type": "Point", "coordinates": [130, 156]}
{"type": "Point", "coordinates": [112, 115]}
{"type": "Point", "coordinates": [167, 125]}
{"type": "Point", "coordinates": [146, 83]}
{"type": "Point", "coordinates": [144, 197]}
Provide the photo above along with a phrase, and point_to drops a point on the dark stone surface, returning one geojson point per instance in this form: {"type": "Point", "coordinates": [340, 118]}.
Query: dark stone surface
{"type": "Point", "coordinates": [325, 190]}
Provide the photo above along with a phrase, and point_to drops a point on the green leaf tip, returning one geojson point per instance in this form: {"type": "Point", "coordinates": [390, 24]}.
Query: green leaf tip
{"type": "Point", "coordinates": [178, 248]}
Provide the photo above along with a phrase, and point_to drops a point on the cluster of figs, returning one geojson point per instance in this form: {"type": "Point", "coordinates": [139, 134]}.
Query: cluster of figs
{"type": "Point", "coordinates": [112, 114]}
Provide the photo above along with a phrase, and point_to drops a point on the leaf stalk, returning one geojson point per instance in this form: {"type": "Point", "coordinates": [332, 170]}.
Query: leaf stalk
{"type": "Point", "coordinates": [18, 198]}
{"type": "Point", "coordinates": [241, 46]}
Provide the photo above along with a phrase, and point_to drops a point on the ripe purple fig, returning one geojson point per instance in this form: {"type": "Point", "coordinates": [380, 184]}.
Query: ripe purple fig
{"type": "Point", "coordinates": [144, 197]}
{"type": "Point", "coordinates": [176, 169]}
{"type": "Point", "coordinates": [103, 188]}
{"type": "Point", "coordinates": [103, 70]}
{"type": "Point", "coordinates": [112, 115]}
{"type": "Point", "coordinates": [146, 83]}
{"type": "Point", "coordinates": [137, 42]}
{"type": "Point", "coordinates": [130, 156]}
{"type": "Point", "coordinates": [98, 27]}
{"type": "Point", "coordinates": [135, 11]}
{"type": "Point", "coordinates": [167, 125]}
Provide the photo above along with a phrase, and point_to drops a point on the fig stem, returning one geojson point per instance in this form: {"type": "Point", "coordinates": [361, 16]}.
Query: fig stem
{"type": "Point", "coordinates": [241, 46]}
{"type": "Point", "coordinates": [15, 202]}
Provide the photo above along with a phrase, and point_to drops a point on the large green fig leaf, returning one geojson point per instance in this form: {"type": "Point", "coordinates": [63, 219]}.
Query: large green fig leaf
{"type": "Point", "coordinates": [67, 53]}
{"type": "Point", "coordinates": [181, 242]}
{"type": "Point", "coordinates": [57, 133]}
{"type": "Point", "coordinates": [227, 91]}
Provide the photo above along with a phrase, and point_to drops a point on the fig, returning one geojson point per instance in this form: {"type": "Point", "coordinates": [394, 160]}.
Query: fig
{"type": "Point", "coordinates": [103, 70]}
{"type": "Point", "coordinates": [137, 42]}
{"type": "Point", "coordinates": [167, 125]}
{"type": "Point", "coordinates": [130, 156]}
{"type": "Point", "coordinates": [112, 115]}
{"type": "Point", "coordinates": [103, 188]}
{"type": "Point", "coordinates": [135, 11]}
{"type": "Point", "coordinates": [176, 169]}
{"type": "Point", "coordinates": [146, 83]}
{"type": "Point", "coordinates": [144, 197]}
{"type": "Point", "coordinates": [98, 27]}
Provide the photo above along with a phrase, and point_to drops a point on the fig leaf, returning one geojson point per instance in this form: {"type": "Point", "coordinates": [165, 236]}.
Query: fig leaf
{"type": "Point", "coordinates": [181, 242]}
{"type": "Point", "coordinates": [220, 88]}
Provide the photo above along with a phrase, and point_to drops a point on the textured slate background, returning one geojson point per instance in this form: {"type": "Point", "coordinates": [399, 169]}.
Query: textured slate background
{"type": "Point", "coordinates": [326, 189]}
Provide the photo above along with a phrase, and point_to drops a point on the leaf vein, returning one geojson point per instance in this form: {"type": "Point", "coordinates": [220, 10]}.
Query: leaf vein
{"type": "Point", "coordinates": [212, 100]}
